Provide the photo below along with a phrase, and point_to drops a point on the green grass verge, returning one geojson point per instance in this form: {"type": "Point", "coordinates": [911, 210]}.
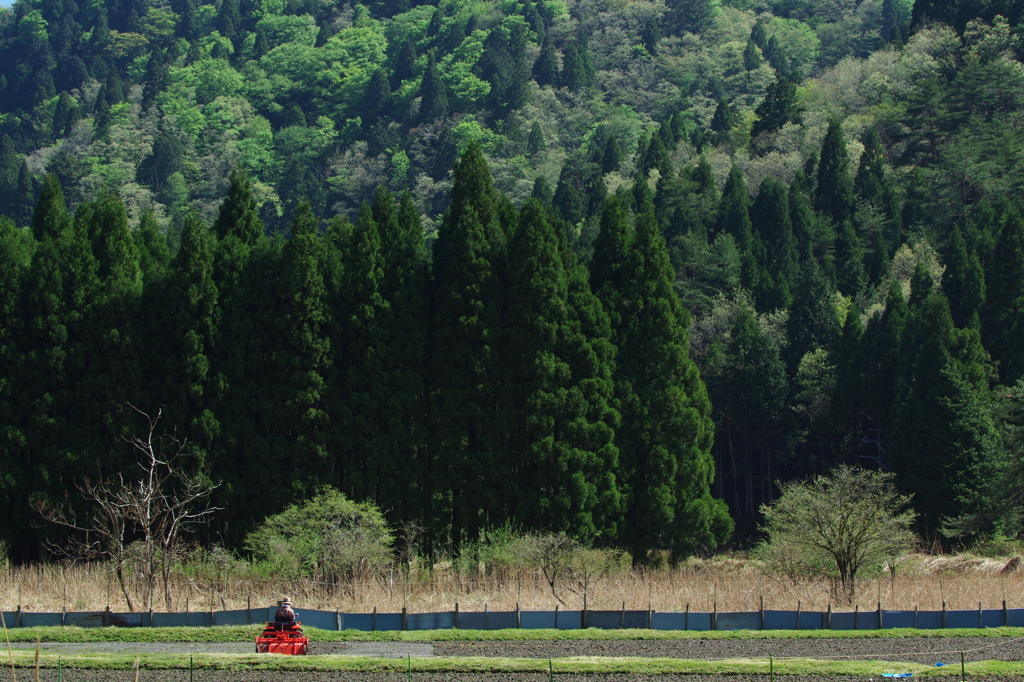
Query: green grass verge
{"type": "Point", "coordinates": [559, 666]}
{"type": "Point", "coordinates": [245, 633]}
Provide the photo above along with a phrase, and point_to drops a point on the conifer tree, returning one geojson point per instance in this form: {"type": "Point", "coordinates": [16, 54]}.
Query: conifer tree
{"type": "Point", "coordinates": [50, 218]}
{"type": "Point", "coordinates": [305, 354]}
{"type": "Point", "coordinates": [734, 219]}
{"type": "Point", "coordinates": [943, 439]}
{"type": "Point", "coordinates": [466, 329]}
{"type": "Point", "coordinates": [112, 373]}
{"type": "Point", "coordinates": [239, 215]}
{"type": "Point", "coordinates": [771, 220]}
{"type": "Point", "coordinates": [1003, 321]}
{"type": "Point", "coordinates": [755, 401]}
{"type": "Point", "coordinates": [964, 282]}
{"type": "Point", "coordinates": [545, 476]}
{"type": "Point", "coordinates": [834, 196]}
{"type": "Point", "coordinates": [23, 200]}
{"type": "Point", "coordinates": [405, 64]}
{"type": "Point", "coordinates": [574, 69]}
{"type": "Point", "coordinates": [779, 107]}
{"type": "Point", "coordinates": [848, 397]}
{"type": "Point", "coordinates": [872, 183]}
{"type": "Point", "coordinates": [666, 431]}
{"type": "Point", "coordinates": [196, 315]}
{"type": "Point", "coordinates": [850, 276]}
{"type": "Point", "coordinates": [377, 100]}
{"type": "Point", "coordinates": [751, 56]}
{"type": "Point", "coordinates": [813, 322]}
{"type": "Point", "coordinates": [434, 94]}
{"type": "Point", "coordinates": [404, 288]}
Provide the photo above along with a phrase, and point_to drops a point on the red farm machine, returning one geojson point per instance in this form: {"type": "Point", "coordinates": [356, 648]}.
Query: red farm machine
{"type": "Point", "coordinates": [282, 638]}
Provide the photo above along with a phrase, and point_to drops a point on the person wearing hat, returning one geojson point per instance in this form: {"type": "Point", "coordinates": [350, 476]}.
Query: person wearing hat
{"type": "Point", "coordinates": [284, 613]}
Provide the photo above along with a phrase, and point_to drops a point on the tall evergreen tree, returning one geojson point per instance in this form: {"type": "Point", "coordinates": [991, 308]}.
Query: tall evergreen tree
{"type": "Point", "coordinates": [666, 431]}
{"type": "Point", "coordinates": [434, 94]}
{"type": "Point", "coordinates": [196, 316]}
{"type": "Point", "coordinates": [400, 377]}
{"type": "Point", "coordinates": [771, 219]}
{"type": "Point", "coordinates": [943, 438]}
{"type": "Point", "coordinates": [834, 196]}
{"type": "Point", "coordinates": [813, 322]}
{"type": "Point", "coordinates": [1003, 321]}
{"type": "Point", "coordinates": [466, 330]}
{"type": "Point", "coordinates": [304, 357]}
{"type": "Point", "coordinates": [850, 276]}
{"type": "Point", "coordinates": [779, 107]}
{"type": "Point", "coordinates": [239, 215]}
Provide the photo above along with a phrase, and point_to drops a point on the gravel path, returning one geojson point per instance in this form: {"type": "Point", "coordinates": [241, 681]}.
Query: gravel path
{"type": "Point", "coordinates": [930, 650]}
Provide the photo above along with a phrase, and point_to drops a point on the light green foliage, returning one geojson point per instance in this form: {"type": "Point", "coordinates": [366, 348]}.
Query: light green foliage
{"type": "Point", "coordinates": [469, 130]}
{"type": "Point", "coordinates": [799, 41]}
{"type": "Point", "coordinates": [327, 537]}
{"type": "Point", "coordinates": [288, 28]}
{"type": "Point", "coordinates": [456, 70]}
{"type": "Point", "coordinates": [844, 525]}
{"type": "Point", "coordinates": [212, 78]}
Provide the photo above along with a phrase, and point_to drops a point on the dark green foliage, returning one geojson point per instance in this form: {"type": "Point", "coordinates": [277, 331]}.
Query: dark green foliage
{"type": "Point", "coordinates": [725, 118]}
{"type": "Point", "coordinates": [666, 431]}
{"type": "Point", "coordinates": [813, 322]}
{"type": "Point", "coordinates": [377, 102]}
{"type": "Point", "coordinates": [535, 143]}
{"type": "Point", "coordinates": [963, 282]}
{"type": "Point", "coordinates": [693, 16]}
{"type": "Point", "coordinates": [434, 94]}
{"type": "Point", "coordinates": [943, 440]}
{"type": "Point", "coordinates": [545, 69]}
{"type": "Point", "coordinates": [1003, 318]}
{"type": "Point", "coordinates": [502, 66]}
{"type": "Point", "coordinates": [576, 72]}
{"type": "Point", "coordinates": [51, 214]}
{"type": "Point", "coordinates": [466, 328]}
{"type": "Point", "coordinates": [196, 316]}
{"type": "Point", "coordinates": [850, 276]}
{"type": "Point", "coordinates": [779, 107]}
{"type": "Point", "coordinates": [751, 56]}
{"type": "Point", "coordinates": [562, 443]}
{"type": "Point", "coordinates": [771, 220]}
{"type": "Point", "coordinates": [239, 215]}
{"type": "Point", "coordinates": [834, 193]}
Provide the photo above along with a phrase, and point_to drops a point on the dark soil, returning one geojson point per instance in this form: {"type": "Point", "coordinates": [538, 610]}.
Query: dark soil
{"type": "Point", "coordinates": [922, 650]}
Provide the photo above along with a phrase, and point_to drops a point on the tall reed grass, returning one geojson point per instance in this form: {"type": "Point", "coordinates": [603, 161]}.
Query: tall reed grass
{"type": "Point", "coordinates": [701, 585]}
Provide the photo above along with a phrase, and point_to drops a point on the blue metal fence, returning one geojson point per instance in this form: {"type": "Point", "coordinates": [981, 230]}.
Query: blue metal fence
{"type": "Point", "coordinates": [562, 620]}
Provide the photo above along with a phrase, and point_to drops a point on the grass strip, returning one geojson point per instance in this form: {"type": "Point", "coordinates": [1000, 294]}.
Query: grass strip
{"type": "Point", "coordinates": [561, 666]}
{"type": "Point", "coordinates": [247, 633]}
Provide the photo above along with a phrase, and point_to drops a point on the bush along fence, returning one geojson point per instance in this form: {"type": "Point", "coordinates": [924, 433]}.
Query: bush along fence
{"type": "Point", "coordinates": [561, 620]}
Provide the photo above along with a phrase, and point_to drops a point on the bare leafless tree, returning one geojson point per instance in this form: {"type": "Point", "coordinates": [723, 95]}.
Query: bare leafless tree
{"type": "Point", "coordinates": [165, 500]}
{"type": "Point", "coordinates": [101, 535]}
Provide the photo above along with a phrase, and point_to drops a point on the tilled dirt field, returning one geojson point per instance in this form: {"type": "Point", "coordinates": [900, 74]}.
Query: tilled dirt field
{"type": "Point", "coordinates": [921, 650]}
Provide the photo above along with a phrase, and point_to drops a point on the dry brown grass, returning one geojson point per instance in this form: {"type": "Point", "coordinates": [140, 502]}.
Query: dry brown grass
{"type": "Point", "coordinates": [728, 584]}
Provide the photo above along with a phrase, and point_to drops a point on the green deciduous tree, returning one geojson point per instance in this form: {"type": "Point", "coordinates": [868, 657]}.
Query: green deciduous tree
{"type": "Point", "coordinates": [327, 537]}
{"type": "Point", "coordinates": [844, 525]}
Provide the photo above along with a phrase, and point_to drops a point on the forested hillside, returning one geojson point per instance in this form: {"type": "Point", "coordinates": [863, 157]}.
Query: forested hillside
{"type": "Point", "coordinates": [605, 267]}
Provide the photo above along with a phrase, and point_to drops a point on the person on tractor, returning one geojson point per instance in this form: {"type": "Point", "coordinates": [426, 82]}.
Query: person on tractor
{"type": "Point", "coordinates": [285, 614]}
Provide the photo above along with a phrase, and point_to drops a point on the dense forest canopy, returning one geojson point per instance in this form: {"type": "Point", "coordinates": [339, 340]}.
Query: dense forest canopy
{"type": "Point", "coordinates": [603, 267]}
